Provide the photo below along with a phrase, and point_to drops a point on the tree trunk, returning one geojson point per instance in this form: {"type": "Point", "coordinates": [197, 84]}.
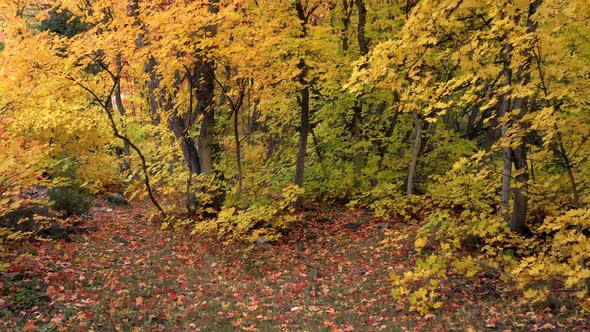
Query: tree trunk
{"type": "Point", "coordinates": [356, 139]}
{"type": "Point", "coordinates": [503, 109]}
{"type": "Point", "coordinates": [303, 134]}
{"type": "Point", "coordinates": [189, 151]}
{"type": "Point", "coordinates": [207, 146]}
{"type": "Point", "coordinates": [357, 108]}
{"type": "Point", "coordinates": [519, 213]}
{"type": "Point", "coordinates": [316, 144]}
{"type": "Point", "coordinates": [518, 222]}
{"type": "Point", "coordinates": [238, 152]}
{"type": "Point", "coordinates": [205, 143]}
{"type": "Point", "coordinates": [303, 100]}
{"type": "Point", "coordinates": [346, 14]}
{"type": "Point", "coordinates": [362, 17]}
{"type": "Point", "coordinates": [126, 164]}
{"type": "Point", "coordinates": [415, 153]}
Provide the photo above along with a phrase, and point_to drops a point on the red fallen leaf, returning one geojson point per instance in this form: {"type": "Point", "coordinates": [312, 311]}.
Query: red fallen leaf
{"type": "Point", "coordinates": [57, 320]}
{"type": "Point", "coordinates": [172, 296]}
{"type": "Point", "coordinates": [419, 326]}
{"type": "Point", "coordinates": [30, 326]}
{"type": "Point", "coordinates": [491, 322]}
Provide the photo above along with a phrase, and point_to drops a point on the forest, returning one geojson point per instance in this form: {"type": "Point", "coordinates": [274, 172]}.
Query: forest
{"type": "Point", "coordinates": [307, 165]}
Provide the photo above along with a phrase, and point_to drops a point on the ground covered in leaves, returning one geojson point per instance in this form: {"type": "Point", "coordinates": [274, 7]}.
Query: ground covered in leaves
{"type": "Point", "coordinates": [330, 273]}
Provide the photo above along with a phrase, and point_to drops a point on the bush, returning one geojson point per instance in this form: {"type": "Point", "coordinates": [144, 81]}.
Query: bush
{"type": "Point", "coordinates": [69, 200]}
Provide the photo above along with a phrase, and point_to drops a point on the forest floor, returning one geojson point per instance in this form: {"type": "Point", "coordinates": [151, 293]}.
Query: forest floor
{"type": "Point", "coordinates": [329, 274]}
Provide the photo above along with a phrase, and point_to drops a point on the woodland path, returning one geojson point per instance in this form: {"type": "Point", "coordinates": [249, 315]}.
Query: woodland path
{"type": "Point", "coordinates": [330, 273]}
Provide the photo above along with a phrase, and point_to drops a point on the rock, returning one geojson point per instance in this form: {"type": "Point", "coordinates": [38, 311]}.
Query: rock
{"type": "Point", "coordinates": [44, 297]}
{"type": "Point", "coordinates": [57, 232]}
{"type": "Point", "coordinates": [12, 276]}
{"type": "Point", "coordinates": [117, 198]}
{"type": "Point", "coordinates": [27, 218]}
{"type": "Point", "coordinates": [35, 192]}
{"type": "Point", "coordinates": [313, 274]}
{"type": "Point", "coordinates": [121, 240]}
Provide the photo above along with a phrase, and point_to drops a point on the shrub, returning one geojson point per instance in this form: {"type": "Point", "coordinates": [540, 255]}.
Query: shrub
{"type": "Point", "coordinates": [69, 200]}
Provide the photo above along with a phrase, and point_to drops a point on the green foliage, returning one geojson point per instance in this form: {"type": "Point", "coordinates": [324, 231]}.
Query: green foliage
{"type": "Point", "coordinates": [63, 22]}
{"type": "Point", "coordinates": [71, 201]}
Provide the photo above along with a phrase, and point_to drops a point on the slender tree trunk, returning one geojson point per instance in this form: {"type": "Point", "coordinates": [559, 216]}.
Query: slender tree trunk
{"type": "Point", "coordinates": [303, 135]}
{"type": "Point", "coordinates": [108, 108]}
{"type": "Point", "coordinates": [238, 153]}
{"type": "Point", "coordinates": [303, 100]}
{"type": "Point", "coordinates": [363, 44]}
{"type": "Point", "coordinates": [518, 222]}
{"type": "Point", "coordinates": [519, 213]}
{"type": "Point", "coordinates": [356, 139]}
{"type": "Point", "coordinates": [503, 109]}
{"type": "Point", "coordinates": [415, 153]}
{"type": "Point", "coordinates": [361, 36]}
{"type": "Point", "coordinates": [519, 157]}
{"type": "Point", "coordinates": [121, 108]}
{"type": "Point", "coordinates": [153, 84]}
{"type": "Point", "coordinates": [346, 14]}
{"type": "Point", "coordinates": [316, 144]}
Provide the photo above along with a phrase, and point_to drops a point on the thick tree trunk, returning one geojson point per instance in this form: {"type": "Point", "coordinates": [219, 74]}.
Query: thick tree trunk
{"type": "Point", "coordinates": [415, 153]}
{"type": "Point", "coordinates": [207, 145]}
{"type": "Point", "coordinates": [189, 151]}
